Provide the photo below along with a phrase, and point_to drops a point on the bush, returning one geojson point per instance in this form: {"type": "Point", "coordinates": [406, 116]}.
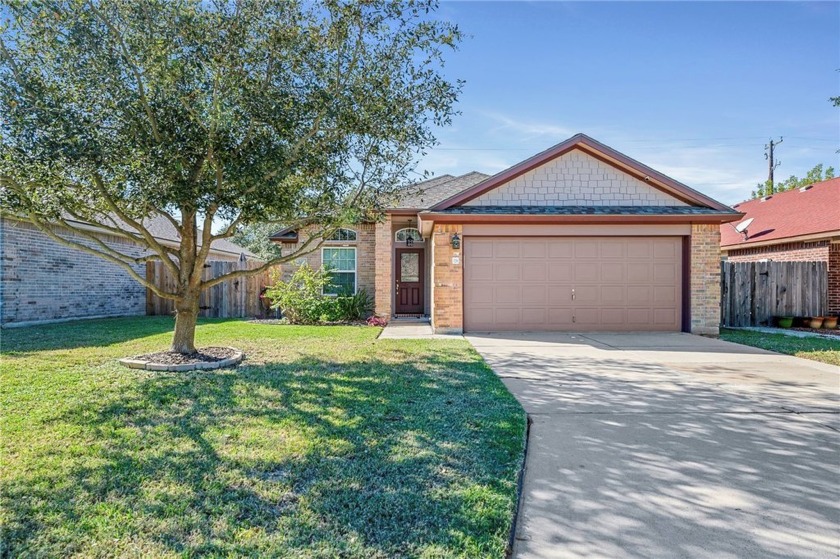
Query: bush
{"type": "Point", "coordinates": [301, 299]}
{"type": "Point", "coordinates": [353, 306]}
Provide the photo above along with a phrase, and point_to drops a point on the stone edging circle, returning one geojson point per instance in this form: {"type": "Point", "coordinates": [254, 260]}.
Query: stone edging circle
{"type": "Point", "coordinates": [133, 363]}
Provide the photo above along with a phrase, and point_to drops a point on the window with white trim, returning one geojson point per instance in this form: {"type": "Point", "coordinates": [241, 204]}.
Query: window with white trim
{"type": "Point", "coordinates": [342, 235]}
{"type": "Point", "coordinates": [341, 262]}
{"type": "Point", "coordinates": [404, 235]}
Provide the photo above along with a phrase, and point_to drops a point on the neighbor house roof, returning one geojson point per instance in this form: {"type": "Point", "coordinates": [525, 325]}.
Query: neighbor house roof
{"type": "Point", "coordinates": [810, 211]}
{"type": "Point", "coordinates": [162, 230]}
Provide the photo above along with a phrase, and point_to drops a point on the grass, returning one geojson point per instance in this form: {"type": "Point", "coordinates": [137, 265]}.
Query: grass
{"type": "Point", "coordinates": [816, 349]}
{"type": "Point", "coordinates": [325, 443]}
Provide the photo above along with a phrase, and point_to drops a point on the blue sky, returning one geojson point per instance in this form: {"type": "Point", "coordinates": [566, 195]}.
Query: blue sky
{"type": "Point", "coordinates": [694, 90]}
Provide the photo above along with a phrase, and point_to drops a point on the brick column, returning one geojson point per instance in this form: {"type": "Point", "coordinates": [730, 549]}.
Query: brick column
{"type": "Point", "coordinates": [383, 276]}
{"type": "Point", "coordinates": [705, 279]}
{"type": "Point", "coordinates": [447, 282]}
{"type": "Point", "coordinates": [834, 278]}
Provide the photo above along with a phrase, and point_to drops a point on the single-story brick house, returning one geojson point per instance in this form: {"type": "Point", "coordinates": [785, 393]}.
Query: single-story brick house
{"type": "Point", "coordinates": [579, 237]}
{"type": "Point", "coordinates": [798, 225]}
{"type": "Point", "coordinates": [46, 281]}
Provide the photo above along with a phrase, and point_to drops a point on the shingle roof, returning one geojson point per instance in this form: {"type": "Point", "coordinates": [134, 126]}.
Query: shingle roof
{"type": "Point", "coordinates": [581, 210]}
{"type": "Point", "coordinates": [809, 211]}
{"type": "Point", "coordinates": [163, 230]}
{"type": "Point", "coordinates": [427, 193]}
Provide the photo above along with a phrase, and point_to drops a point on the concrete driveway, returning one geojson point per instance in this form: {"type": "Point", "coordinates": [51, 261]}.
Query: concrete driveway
{"type": "Point", "coordinates": [672, 445]}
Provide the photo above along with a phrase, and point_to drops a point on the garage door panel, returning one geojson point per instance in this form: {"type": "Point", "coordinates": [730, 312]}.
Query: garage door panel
{"type": "Point", "coordinates": [612, 272]}
{"type": "Point", "coordinates": [620, 283]}
{"type": "Point", "coordinates": [534, 271]}
{"type": "Point", "coordinates": [559, 271]}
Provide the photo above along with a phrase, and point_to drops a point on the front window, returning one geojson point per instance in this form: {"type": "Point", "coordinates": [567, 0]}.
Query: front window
{"type": "Point", "coordinates": [341, 262]}
{"type": "Point", "coordinates": [342, 235]}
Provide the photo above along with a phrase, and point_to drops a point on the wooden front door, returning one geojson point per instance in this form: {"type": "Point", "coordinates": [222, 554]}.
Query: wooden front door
{"type": "Point", "coordinates": [409, 284]}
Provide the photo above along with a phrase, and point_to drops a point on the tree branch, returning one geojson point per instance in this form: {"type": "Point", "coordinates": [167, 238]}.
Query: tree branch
{"type": "Point", "coordinates": [47, 230]}
{"type": "Point", "coordinates": [305, 248]}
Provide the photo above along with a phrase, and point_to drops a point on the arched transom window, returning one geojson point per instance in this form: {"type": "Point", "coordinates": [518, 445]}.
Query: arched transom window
{"type": "Point", "coordinates": [342, 235]}
{"type": "Point", "coordinates": [403, 235]}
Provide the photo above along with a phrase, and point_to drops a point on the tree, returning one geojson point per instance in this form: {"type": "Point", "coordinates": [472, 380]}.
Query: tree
{"type": "Point", "coordinates": [207, 112]}
{"type": "Point", "coordinates": [814, 175]}
{"type": "Point", "coordinates": [255, 236]}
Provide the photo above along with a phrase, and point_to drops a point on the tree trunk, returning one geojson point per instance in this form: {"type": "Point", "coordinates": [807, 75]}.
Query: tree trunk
{"type": "Point", "coordinates": [186, 314]}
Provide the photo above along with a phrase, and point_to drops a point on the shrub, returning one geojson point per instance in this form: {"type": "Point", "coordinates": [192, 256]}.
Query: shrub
{"type": "Point", "coordinates": [377, 321]}
{"type": "Point", "coordinates": [351, 306]}
{"type": "Point", "coordinates": [301, 299]}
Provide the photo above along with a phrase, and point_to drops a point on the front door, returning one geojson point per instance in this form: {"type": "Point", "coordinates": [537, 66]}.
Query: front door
{"type": "Point", "coordinates": [409, 287]}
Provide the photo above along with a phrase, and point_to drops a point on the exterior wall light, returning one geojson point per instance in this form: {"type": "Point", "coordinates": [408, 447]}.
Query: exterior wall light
{"type": "Point", "coordinates": [455, 241]}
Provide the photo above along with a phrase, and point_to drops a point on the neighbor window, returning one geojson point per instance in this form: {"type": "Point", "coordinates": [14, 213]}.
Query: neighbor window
{"type": "Point", "coordinates": [341, 262]}
{"type": "Point", "coordinates": [342, 235]}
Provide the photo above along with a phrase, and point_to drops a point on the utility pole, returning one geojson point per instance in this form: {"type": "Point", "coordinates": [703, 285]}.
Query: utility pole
{"type": "Point", "coordinates": [771, 164]}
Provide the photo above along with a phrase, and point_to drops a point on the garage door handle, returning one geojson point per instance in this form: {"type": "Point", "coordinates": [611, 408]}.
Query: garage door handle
{"type": "Point", "coordinates": [573, 294]}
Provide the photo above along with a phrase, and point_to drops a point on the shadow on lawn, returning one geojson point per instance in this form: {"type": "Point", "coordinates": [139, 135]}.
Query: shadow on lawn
{"type": "Point", "coordinates": [314, 457]}
{"type": "Point", "coordinates": [90, 333]}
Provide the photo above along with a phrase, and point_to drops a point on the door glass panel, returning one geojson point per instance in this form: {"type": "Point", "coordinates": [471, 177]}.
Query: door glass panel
{"type": "Point", "coordinates": [410, 266]}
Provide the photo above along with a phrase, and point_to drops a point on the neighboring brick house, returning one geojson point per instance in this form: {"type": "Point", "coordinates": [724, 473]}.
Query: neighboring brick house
{"type": "Point", "coordinates": [577, 238]}
{"type": "Point", "coordinates": [797, 225]}
{"type": "Point", "coordinates": [45, 281]}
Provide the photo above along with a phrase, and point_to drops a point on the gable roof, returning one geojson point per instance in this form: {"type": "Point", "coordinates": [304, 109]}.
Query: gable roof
{"type": "Point", "coordinates": [807, 211]}
{"type": "Point", "coordinates": [599, 151]}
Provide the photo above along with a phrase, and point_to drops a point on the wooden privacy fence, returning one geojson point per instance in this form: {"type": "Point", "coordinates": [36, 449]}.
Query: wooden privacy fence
{"type": "Point", "coordinates": [752, 293]}
{"type": "Point", "coordinates": [236, 298]}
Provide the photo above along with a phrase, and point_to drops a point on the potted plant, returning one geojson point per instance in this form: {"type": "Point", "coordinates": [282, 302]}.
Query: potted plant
{"type": "Point", "coordinates": [830, 322]}
{"type": "Point", "coordinates": [816, 322]}
{"type": "Point", "coordinates": [784, 321]}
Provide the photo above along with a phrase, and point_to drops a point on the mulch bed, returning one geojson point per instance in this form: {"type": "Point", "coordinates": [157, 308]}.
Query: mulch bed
{"type": "Point", "coordinates": [202, 355]}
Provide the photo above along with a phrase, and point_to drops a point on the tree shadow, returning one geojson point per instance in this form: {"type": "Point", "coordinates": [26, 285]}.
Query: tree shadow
{"type": "Point", "coordinates": [633, 457]}
{"type": "Point", "coordinates": [88, 333]}
{"type": "Point", "coordinates": [313, 457]}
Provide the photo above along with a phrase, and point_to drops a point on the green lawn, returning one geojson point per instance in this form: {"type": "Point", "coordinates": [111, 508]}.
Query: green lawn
{"type": "Point", "coordinates": [816, 349]}
{"type": "Point", "coordinates": [324, 443]}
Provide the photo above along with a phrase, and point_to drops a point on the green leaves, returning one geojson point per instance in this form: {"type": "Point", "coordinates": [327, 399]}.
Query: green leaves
{"type": "Point", "coordinates": [250, 111]}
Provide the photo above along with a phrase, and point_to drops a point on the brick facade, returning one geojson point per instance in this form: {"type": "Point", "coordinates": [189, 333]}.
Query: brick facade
{"type": "Point", "coordinates": [364, 244]}
{"type": "Point", "coordinates": [705, 279]}
{"type": "Point", "coordinates": [44, 280]}
{"type": "Point", "coordinates": [575, 179]}
{"type": "Point", "coordinates": [384, 264]}
{"type": "Point", "coordinates": [447, 281]}
{"type": "Point", "coordinates": [834, 279]}
{"type": "Point", "coordinates": [815, 251]}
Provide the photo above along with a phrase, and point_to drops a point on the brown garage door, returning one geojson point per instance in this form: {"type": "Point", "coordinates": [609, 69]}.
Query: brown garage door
{"type": "Point", "coordinates": [572, 283]}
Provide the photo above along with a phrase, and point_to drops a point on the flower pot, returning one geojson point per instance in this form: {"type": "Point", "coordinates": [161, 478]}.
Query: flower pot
{"type": "Point", "coordinates": [830, 322]}
{"type": "Point", "coordinates": [816, 322]}
{"type": "Point", "coordinates": [785, 321]}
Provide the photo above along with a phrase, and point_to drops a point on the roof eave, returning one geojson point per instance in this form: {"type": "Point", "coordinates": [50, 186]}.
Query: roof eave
{"type": "Point", "coordinates": [502, 219]}
{"type": "Point", "coordinates": [831, 235]}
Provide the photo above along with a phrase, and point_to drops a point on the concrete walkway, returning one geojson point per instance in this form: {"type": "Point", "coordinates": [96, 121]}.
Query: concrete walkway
{"type": "Point", "coordinates": [672, 445]}
{"type": "Point", "coordinates": [413, 329]}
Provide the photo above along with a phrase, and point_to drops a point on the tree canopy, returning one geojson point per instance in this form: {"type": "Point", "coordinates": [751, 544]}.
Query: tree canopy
{"type": "Point", "coordinates": [816, 174]}
{"type": "Point", "coordinates": [208, 112]}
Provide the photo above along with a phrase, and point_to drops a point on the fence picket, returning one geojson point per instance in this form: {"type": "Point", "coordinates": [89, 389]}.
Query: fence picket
{"type": "Point", "coordinates": [754, 292]}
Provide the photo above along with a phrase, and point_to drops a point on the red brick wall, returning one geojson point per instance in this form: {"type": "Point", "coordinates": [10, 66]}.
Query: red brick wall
{"type": "Point", "coordinates": [816, 251]}
{"type": "Point", "coordinates": [834, 279]}
{"type": "Point", "coordinates": [447, 282]}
